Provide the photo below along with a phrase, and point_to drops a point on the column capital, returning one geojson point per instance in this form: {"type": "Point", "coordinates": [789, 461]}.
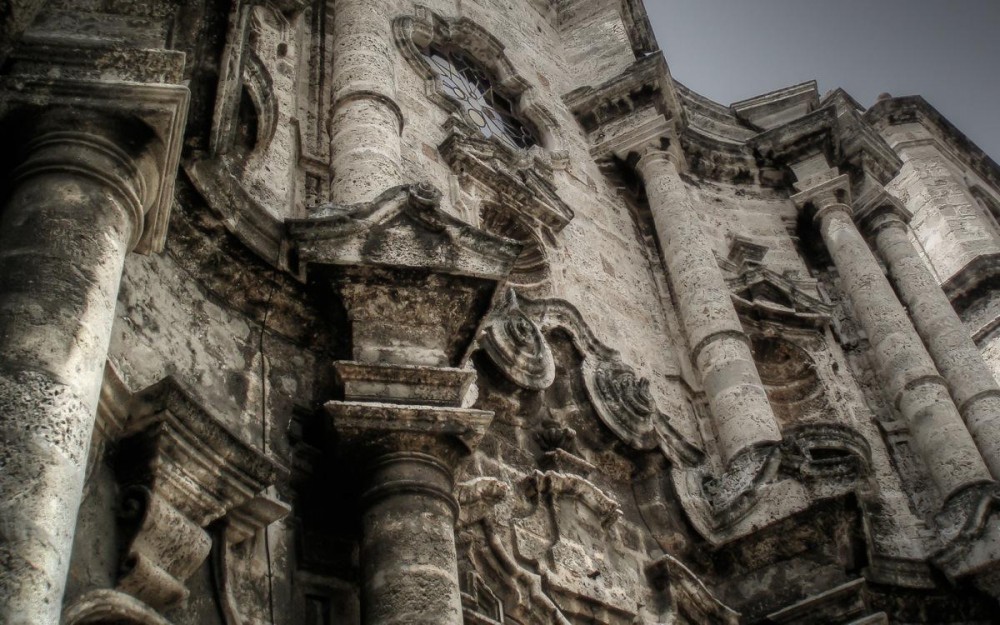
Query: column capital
{"type": "Point", "coordinates": [878, 209]}
{"type": "Point", "coordinates": [829, 195]}
{"type": "Point", "coordinates": [100, 149]}
{"type": "Point", "coordinates": [126, 130]}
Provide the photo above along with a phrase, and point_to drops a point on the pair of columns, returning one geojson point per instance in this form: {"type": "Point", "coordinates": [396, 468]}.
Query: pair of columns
{"type": "Point", "coordinates": [958, 453]}
{"type": "Point", "coordinates": [955, 419]}
{"type": "Point", "coordinates": [75, 207]}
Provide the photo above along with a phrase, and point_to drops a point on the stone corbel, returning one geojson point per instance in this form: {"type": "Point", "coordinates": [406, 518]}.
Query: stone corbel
{"type": "Point", "coordinates": [182, 470]}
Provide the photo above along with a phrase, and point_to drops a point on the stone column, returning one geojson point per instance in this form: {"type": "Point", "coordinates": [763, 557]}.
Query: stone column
{"type": "Point", "coordinates": [907, 372]}
{"type": "Point", "coordinates": [720, 349]}
{"type": "Point", "coordinates": [366, 121]}
{"type": "Point", "coordinates": [75, 209]}
{"type": "Point", "coordinates": [409, 563]}
{"type": "Point", "coordinates": [408, 557]}
{"type": "Point", "coordinates": [971, 382]}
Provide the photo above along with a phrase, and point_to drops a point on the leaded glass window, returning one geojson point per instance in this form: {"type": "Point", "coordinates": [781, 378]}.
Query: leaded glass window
{"type": "Point", "coordinates": [471, 88]}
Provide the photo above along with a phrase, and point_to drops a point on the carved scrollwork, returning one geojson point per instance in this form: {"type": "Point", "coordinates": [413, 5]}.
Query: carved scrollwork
{"type": "Point", "coordinates": [623, 402]}
{"type": "Point", "coordinates": [518, 348]}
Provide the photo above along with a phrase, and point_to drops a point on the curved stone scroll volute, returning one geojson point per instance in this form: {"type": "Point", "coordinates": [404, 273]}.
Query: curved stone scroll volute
{"type": "Point", "coordinates": [181, 469]}
{"type": "Point", "coordinates": [623, 402]}
{"type": "Point", "coordinates": [518, 348]}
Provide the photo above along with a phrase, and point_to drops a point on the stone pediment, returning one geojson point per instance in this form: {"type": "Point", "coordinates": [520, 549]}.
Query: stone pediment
{"type": "Point", "coordinates": [771, 110]}
{"type": "Point", "coordinates": [761, 293]}
{"type": "Point", "coordinates": [521, 180]}
{"type": "Point", "coordinates": [405, 229]}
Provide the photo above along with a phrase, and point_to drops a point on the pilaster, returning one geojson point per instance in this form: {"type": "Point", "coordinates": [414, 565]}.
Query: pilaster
{"type": "Point", "coordinates": [416, 285]}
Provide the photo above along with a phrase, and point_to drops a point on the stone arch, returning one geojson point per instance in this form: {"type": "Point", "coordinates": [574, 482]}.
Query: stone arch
{"type": "Point", "coordinates": [425, 28]}
{"type": "Point", "coordinates": [258, 109]}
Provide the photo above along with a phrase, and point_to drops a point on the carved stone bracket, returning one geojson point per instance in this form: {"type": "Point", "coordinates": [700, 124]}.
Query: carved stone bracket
{"type": "Point", "coordinates": [517, 347]}
{"type": "Point", "coordinates": [621, 398]}
{"type": "Point", "coordinates": [182, 470]}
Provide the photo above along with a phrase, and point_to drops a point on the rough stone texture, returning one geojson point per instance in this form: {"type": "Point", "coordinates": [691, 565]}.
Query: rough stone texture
{"type": "Point", "coordinates": [648, 370]}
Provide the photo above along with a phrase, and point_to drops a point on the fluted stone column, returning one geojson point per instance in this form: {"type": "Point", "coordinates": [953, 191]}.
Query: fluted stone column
{"type": "Point", "coordinates": [367, 122]}
{"type": "Point", "coordinates": [719, 348]}
{"type": "Point", "coordinates": [971, 382]}
{"type": "Point", "coordinates": [906, 370]}
{"type": "Point", "coordinates": [75, 209]}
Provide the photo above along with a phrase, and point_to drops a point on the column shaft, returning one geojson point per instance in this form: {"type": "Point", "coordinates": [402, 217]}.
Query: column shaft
{"type": "Point", "coordinates": [972, 384]}
{"type": "Point", "coordinates": [408, 556]}
{"type": "Point", "coordinates": [719, 348]}
{"type": "Point", "coordinates": [366, 124]}
{"type": "Point", "coordinates": [64, 234]}
{"type": "Point", "coordinates": [906, 370]}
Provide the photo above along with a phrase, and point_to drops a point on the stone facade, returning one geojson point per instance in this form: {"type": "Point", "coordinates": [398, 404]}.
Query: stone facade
{"type": "Point", "coordinates": [388, 312]}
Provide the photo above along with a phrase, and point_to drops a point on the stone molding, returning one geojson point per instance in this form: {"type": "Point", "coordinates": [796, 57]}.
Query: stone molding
{"type": "Point", "coordinates": [522, 180]}
{"type": "Point", "coordinates": [347, 236]}
{"type": "Point", "coordinates": [689, 592]}
{"type": "Point", "coordinates": [181, 469]}
{"type": "Point", "coordinates": [160, 108]}
{"type": "Point", "coordinates": [110, 606]}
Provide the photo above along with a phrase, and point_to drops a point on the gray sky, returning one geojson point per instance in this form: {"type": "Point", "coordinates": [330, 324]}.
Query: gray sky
{"type": "Point", "coordinates": [948, 52]}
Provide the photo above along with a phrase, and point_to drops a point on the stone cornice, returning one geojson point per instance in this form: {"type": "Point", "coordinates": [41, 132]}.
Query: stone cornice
{"type": "Point", "coordinates": [811, 134]}
{"type": "Point", "coordinates": [355, 236]}
{"type": "Point", "coordinates": [647, 82]}
{"type": "Point", "coordinates": [861, 145]}
{"type": "Point", "coordinates": [916, 110]}
{"type": "Point", "coordinates": [762, 111]}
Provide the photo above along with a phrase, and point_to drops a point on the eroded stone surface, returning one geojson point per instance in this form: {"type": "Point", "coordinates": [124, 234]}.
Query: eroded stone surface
{"type": "Point", "coordinates": [651, 369]}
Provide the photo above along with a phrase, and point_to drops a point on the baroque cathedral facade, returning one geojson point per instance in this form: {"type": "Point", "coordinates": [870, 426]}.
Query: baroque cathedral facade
{"type": "Point", "coordinates": [397, 312]}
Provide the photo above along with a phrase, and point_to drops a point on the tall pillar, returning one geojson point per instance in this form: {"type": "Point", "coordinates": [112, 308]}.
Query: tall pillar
{"type": "Point", "coordinates": [366, 121]}
{"type": "Point", "coordinates": [719, 348]}
{"type": "Point", "coordinates": [75, 208]}
{"type": "Point", "coordinates": [906, 370]}
{"type": "Point", "coordinates": [971, 382]}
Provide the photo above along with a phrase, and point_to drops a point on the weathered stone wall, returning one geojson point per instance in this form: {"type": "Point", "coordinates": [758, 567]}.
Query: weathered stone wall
{"type": "Point", "coordinates": [716, 395]}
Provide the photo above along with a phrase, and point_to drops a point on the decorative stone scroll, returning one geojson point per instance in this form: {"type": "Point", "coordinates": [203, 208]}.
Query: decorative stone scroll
{"type": "Point", "coordinates": [517, 347]}
{"type": "Point", "coordinates": [182, 470]}
{"type": "Point", "coordinates": [624, 403]}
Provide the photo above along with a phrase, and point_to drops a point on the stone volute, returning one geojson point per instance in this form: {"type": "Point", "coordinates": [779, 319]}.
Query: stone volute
{"type": "Point", "coordinates": [416, 285]}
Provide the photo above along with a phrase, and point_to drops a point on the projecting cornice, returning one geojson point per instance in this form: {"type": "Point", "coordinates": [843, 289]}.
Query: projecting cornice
{"type": "Point", "coordinates": [647, 82]}
{"type": "Point", "coordinates": [889, 112]}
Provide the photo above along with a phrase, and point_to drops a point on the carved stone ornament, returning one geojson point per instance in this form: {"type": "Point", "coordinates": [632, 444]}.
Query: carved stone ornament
{"type": "Point", "coordinates": [626, 405]}
{"type": "Point", "coordinates": [517, 347]}
{"type": "Point", "coordinates": [182, 470]}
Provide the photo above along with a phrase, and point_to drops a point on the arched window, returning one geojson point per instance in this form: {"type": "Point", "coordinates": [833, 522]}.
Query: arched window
{"type": "Point", "coordinates": [472, 90]}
